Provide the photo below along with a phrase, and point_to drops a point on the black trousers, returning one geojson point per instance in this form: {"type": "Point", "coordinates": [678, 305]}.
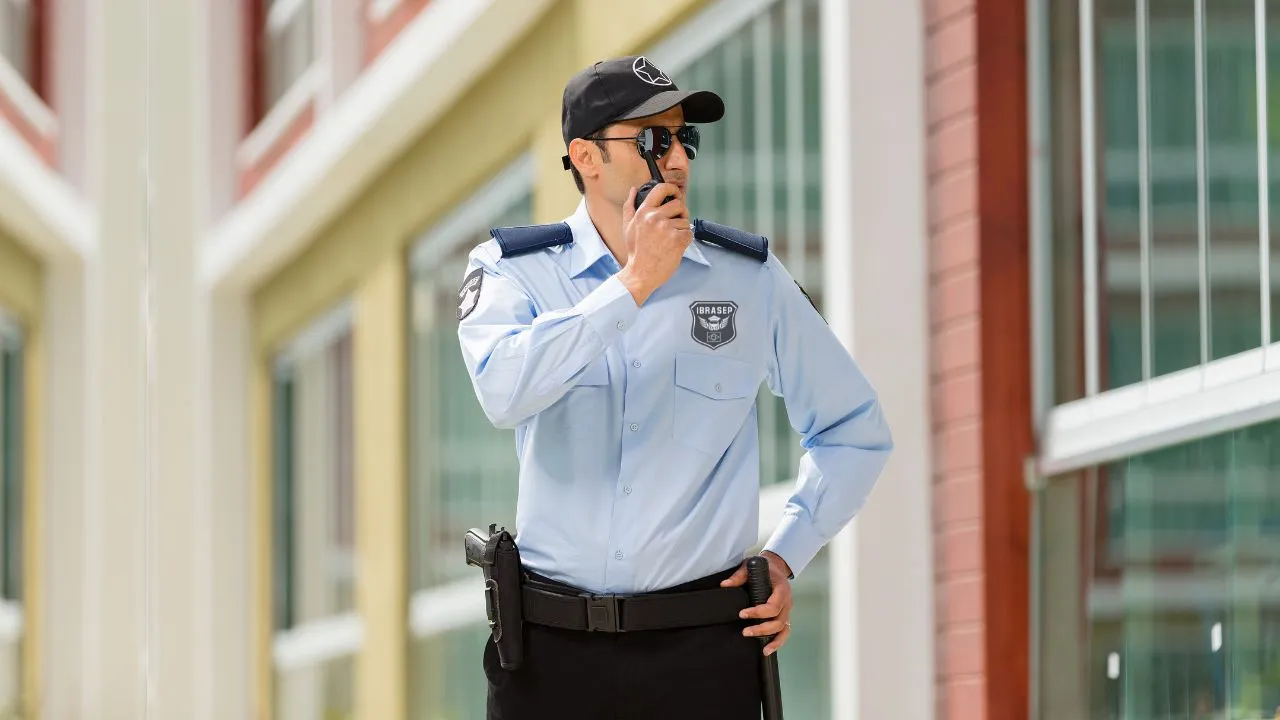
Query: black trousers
{"type": "Point", "coordinates": [708, 673]}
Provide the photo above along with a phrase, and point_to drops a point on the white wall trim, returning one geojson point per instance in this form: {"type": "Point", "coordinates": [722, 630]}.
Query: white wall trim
{"type": "Point", "coordinates": [380, 10]}
{"type": "Point", "coordinates": [1224, 395]}
{"type": "Point", "coordinates": [282, 115]}
{"type": "Point", "coordinates": [431, 63]}
{"type": "Point", "coordinates": [475, 214]}
{"type": "Point", "coordinates": [318, 641]}
{"type": "Point", "coordinates": [38, 205]}
{"type": "Point", "coordinates": [11, 622]}
{"type": "Point", "coordinates": [15, 87]}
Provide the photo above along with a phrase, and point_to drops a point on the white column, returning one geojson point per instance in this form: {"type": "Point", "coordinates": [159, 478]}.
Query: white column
{"type": "Point", "coordinates": [876, 246]}
{"type": "Point", "coordinates": [113, 603]}
{"type": "Point", "coordinates": [182, 617]}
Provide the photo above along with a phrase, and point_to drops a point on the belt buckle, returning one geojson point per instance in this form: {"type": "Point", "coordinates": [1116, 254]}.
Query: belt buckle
{"type": "Point", "coordinates": [602, 613]}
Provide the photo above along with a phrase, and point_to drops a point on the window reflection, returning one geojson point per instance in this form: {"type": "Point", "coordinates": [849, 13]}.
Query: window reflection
{"type": "Point", "coordinates": [1162, 583]}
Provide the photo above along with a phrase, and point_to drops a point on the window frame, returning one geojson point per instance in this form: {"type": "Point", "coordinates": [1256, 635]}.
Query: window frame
{"type": "Point", "coordinates": [29, 97]}
{"type": "Point", "coordinates": [339, 636]}
{"type": "Point", "coordinates": [12, 611]}
{"type": "Point", "coordinates": [268, 124]}
{"type": "Point", "coordinates": [1216, 395]}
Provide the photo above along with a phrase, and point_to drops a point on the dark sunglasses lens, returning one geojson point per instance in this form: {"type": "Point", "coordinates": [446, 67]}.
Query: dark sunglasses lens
{"type": "Point", "coordinates": [656, 141]}
{"type": "Point", "coordinates": [689, 137]}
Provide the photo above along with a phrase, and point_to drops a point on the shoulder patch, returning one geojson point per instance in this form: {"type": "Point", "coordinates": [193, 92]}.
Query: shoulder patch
{"type": "Point", "coordinates": [523, 239]}
{"type": "Point", "coordinates": [469, 293]}
{"type": "Point", "coordinates": [732, 239]}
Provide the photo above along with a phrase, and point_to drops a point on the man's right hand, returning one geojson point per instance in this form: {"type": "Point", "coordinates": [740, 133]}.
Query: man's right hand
{"type": "Point", "coordinates": [656, 237]}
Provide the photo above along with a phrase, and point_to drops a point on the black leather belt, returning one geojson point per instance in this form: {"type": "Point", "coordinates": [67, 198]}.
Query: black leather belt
{"type": "Point", "coordinates": [632, 613]}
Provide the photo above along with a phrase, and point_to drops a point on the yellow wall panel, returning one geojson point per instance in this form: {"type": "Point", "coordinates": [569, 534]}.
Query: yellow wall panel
{"type": "Point", "coordinates": [620, 27]}
{"type": "Point", "coordinates": [20, 281]}
{"type": "Point", "coordinates": [381, 404]}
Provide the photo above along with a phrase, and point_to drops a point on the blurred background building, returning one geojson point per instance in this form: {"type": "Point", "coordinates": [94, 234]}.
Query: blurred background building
{"type": "Point", "coordinates": [238, 448]}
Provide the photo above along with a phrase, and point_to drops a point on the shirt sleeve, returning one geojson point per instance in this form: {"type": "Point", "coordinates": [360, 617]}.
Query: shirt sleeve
{"type": "Point", "coordinates": [522, 361]}
{"type": "Point", "coordinates": [834, 408]}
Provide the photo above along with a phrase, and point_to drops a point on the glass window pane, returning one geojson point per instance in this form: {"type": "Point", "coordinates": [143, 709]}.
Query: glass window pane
{"type": "Point", "coordinates": [463, 471]}
{"type": "Point", "coordinates": [15, 36]}
{"type": "Point", "coordinates": [11, 525]}
{"type": "Point", "coordinates": [447, 676]}
{"type": "Point", "coordinates": [289, 49]}
{"type": "Point", "coordinates": [1231, 128]}
{"type": "Point", "coordinates": [1161, 583]}
{"type": "Point", "coordinates": [314, 509]}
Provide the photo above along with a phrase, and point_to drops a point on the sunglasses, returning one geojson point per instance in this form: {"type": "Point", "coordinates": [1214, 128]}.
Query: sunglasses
{"type": "Point", "coordinates": [657, 140]}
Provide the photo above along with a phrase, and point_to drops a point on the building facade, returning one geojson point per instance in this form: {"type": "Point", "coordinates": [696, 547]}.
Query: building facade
{"type": "Point", "coordinates": [238, 448]}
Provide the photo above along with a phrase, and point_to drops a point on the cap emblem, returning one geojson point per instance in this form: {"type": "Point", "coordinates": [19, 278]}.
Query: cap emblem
{"type": "Point", "coordinates": [649, 72]}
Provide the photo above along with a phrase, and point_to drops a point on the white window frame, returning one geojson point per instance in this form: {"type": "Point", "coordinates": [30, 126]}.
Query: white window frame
{"type": "Point", "coordinates": [305, 90]}
{"type": "Point", "coordinates": [342, 635]}
{"type": "Point", "coordinates": [1213, 397]}
{"type": "Point", "coordinates": [14, 87]}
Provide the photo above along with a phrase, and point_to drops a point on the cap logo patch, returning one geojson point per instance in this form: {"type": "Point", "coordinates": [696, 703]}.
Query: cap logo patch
{"type": "Point", "coordinates": [649, 72]}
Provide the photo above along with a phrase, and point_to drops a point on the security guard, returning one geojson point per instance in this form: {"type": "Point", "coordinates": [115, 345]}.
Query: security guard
{"type": "Point", "coordinates": [626, 347]}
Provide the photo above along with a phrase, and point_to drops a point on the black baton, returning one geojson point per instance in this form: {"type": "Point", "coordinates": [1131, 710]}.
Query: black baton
{"type": "Point", "coordinates": [760, 588]}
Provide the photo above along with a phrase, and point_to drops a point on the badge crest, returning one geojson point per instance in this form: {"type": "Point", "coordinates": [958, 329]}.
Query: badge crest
{"type": "Point", "coordinates": [469, 293]}
{"type": "Point", "coordinates": [714, 322]}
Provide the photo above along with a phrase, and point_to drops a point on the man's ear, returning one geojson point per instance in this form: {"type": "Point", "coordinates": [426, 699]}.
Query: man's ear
{"type": "Point", "coordinates": [583, 155]}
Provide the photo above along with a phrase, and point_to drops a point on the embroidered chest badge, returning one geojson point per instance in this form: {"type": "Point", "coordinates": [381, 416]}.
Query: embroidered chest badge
{"type": "Point", "coordinates": [713, 322]}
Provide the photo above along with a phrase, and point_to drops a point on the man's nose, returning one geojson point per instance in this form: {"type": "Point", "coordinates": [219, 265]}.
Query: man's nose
{"type": "Point", "coordinates": [676, 158]}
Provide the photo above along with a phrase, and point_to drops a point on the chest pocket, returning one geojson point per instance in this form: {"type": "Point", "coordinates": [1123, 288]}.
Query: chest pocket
{"type": "Point", "coordinates": [713, 396]}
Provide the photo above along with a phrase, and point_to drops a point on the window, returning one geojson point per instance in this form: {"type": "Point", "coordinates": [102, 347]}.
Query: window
{"type": "Point", "coordinates": [313, 507]}
{"type": "Point", "coordinates": [288, 48]}
{"type": "Point", "coordinates": [1155, 574]}
{"type": "Point", "coordinates": [1172, 239]}
{"type": "Point", "coordinates": [463, 471]}
{"type": "Point", "coordinates": [11, 516]}
{"type": "Point", "coordinates": [1163, 584]}
{"type": "Point", "coordinates": [19, 39]}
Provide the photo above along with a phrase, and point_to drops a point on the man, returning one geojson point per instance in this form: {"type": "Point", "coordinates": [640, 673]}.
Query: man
{"type": "Point", "coordinates": [628, 356]}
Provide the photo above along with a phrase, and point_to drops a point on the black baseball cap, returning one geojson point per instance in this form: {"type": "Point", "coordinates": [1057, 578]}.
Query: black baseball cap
{"type": "Point", "coordinates": [627, 88]}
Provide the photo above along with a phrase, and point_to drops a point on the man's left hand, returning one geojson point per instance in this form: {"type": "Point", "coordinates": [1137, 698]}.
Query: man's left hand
{"type": "Point", "coordinates": [776, 610]}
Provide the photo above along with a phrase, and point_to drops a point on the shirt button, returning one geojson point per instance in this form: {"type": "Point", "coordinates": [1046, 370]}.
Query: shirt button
{"type": "Point", "coordinates": [621, 325]}
{"type": "Point", "coordinates": [617, 555]}
{"type": "Point", "coordinates": [634, 427]}
{"type": "Point", "coordinates": [635, 363]}
{"type": "Point", "coordinates": [626, 489]}
{"type": "Point", "coordinates": [718, 389]}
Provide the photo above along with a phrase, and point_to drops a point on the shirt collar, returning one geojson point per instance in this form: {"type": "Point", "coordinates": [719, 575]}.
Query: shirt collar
{"type": "Point", "coordinates": [589, 248]}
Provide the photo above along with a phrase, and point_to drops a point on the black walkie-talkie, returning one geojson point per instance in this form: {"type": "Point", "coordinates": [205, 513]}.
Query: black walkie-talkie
{"type": "Point", "coordinates": [654, 173]}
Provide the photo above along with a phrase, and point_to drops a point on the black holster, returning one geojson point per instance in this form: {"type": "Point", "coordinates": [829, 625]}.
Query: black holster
{"type": "Point", "coordinates": [497, 556]}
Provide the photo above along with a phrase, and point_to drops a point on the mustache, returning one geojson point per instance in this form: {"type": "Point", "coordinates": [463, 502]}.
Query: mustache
{"type": "Point", "coordinates": [676, 178]}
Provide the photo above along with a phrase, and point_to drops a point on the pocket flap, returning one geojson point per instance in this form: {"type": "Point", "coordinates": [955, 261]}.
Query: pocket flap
{"type": "Point", "coordinates": [595, 373]}
{"type": "Point", "coordinates": [720, 378]}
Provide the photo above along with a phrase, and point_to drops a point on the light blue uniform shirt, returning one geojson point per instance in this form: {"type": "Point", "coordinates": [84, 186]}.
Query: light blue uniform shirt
{"type": "Point", "coordinates": [636, 427]}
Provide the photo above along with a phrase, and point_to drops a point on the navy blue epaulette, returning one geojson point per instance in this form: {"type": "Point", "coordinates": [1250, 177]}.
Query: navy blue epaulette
{"type": "Point", "coordinates": [733, 239]}
{"type": "Point", "coordinates": [522, 239]}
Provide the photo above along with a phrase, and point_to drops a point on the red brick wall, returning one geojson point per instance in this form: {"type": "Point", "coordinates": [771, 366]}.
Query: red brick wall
{"type": "Point", "coordinates": [980, 353]}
